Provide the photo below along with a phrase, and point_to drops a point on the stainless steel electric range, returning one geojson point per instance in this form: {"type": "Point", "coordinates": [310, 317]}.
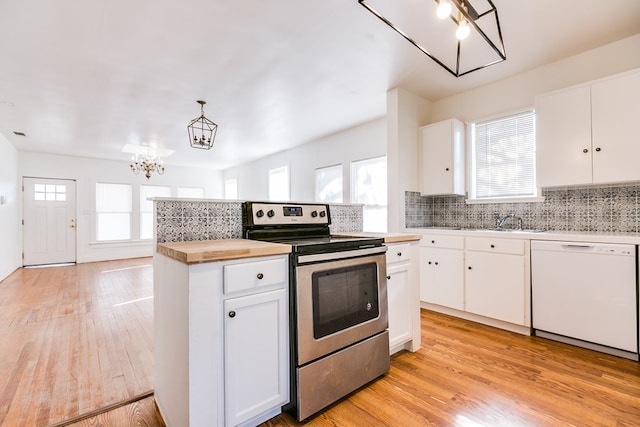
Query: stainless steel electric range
{"type": "Point", "coordinates": [338, 302]}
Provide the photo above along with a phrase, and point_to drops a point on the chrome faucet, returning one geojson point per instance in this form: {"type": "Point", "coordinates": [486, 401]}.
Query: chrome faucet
{"type": "Point", "coordinates": [501, 220]}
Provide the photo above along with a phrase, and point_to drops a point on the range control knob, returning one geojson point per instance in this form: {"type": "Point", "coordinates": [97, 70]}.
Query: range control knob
{"type": "Point", "coordinates": [270, 213]}
{"type": "Point", "coordinates": [314, 214]}
{"type": "Point", "coordinates": [323, 214]}
{"type": "Point", "coordinates": [260, 213]}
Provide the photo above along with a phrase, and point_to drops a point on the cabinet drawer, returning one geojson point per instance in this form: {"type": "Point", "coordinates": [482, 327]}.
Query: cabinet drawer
{"type": "Point", "coordinates": [440, 241]}
{"type": "Point", "coordinates": [398, 253]}
{"type": "Point", "coordinates": [255, 275]}
{"type": "Point", "coordinates": [502, 246]}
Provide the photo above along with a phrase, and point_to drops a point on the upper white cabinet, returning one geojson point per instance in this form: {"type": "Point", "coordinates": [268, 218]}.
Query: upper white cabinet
{"type": "Point", "coordinates": [587, 134]}
{"type": "Point", "coordinates": [615, 110]}
{"type": "Point", "coordinates": [442, 152]}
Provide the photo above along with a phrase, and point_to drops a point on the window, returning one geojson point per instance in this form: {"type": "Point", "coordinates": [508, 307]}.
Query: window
{"type": "Point", "coordinates": [369, 186]}
{"type": "Point", "coordinates": [190, 192]}
{"type": "Point", "coordinates": [279, 184]}
{"type": "Point", "coordinates": [113, 212]}
{"type": "Point", "coordinates": [329, 184]}
{"type": "Point", "coordinates": [503, 157]}
{"type": "Point", "coordinates": [49, 192]}
{"type": "Point", "coordinates": [231, 189]}
{"type": "Point", "coordinates": [146, 207]}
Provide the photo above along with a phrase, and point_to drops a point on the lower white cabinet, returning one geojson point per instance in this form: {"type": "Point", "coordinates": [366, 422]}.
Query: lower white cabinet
{"type": "Point", "coordinates": [484, 279]}
{"type": "Point", "coordinates": [441, 271]}
{"type": "Point", "coordinates": [221, 340]}
{"type": "Point", "coordinates": [403, 297]}
{"type": "Point", "coordinates": [494, 286]}
{"type": "Point", "coordinates": [256, 368]}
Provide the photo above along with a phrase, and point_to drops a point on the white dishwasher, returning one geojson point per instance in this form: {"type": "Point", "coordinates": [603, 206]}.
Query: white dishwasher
{"type": "Point", "coordinates": [586, 294]}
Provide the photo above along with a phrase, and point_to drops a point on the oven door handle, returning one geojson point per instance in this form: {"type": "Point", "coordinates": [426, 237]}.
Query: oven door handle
{"type": "Point", "coordinates": [331, 256]}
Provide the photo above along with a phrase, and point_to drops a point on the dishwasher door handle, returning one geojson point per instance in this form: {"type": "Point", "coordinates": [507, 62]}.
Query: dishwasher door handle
{"type": "Point", "coordinates": [578, 247]}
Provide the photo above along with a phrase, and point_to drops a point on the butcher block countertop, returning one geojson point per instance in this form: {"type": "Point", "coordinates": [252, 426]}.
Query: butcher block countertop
{"type": "Point", "coordinates": [388, 237]}
{"type": "Point", "coordinates": [220, 250]}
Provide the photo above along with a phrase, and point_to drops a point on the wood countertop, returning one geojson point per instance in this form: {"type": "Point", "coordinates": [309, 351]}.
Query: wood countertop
{"type": "Point", "coordinates": [220, 250]}
{"type": "Point", "coordinates": [388, 237]}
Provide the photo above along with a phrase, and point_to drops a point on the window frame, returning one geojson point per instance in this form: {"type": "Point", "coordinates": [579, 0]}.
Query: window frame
{"type": "Point", "coordinates": [371, 207]}
{"type": "Point", "coordinates": [471, 165]}
{"type": "Point", "coordinates": [143, 213]}
{"type": "Point", "coordinates": [130, 213]}
{"type": "Point", "coordinates": [317, 183]}
{"type": "Point", "coordinates": [272, 195]}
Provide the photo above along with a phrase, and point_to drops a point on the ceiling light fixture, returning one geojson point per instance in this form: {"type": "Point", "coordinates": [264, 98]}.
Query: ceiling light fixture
{"type": "Point", "coordinates": [476, 33]}
{"type": "Point", "coordinates": [444, 9]}
{"type": "Point", "coordinates": [202, 131]}
{"type": "Point", "coordinates": [147, 163]}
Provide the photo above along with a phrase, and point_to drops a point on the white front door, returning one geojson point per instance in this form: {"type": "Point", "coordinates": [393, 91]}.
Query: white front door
{"type": "Point", "coordinates": [49, 221]}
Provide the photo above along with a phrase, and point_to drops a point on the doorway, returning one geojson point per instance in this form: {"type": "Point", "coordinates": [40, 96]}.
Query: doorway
{"type": "Point", "coordinates": [49, 224]}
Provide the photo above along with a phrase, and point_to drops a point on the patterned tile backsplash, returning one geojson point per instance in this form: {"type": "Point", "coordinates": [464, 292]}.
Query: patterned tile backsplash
{"type": "Point", "coordinates": [192, 220]}
{"type": "Point", "coordinates": [604, 208]}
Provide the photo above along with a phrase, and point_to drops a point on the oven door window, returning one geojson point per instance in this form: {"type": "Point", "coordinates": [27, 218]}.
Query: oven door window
{"type": "Point", "coordinates": [344, 297]}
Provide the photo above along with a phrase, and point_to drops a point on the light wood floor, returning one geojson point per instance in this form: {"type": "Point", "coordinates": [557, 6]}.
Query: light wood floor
{"type": "Point", "coordinates": [68, 347]}
{"type": "Point", "coordinates": [472, 375]}
{"type": "Point", "coordinates": [74, 339]}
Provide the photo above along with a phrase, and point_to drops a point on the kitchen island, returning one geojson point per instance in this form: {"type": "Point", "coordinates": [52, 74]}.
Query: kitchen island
{"type": "Point", "coordinates": [221, 331]}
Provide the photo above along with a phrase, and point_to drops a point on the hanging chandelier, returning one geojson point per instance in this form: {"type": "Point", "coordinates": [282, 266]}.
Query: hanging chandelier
{"type": "Point", "coordinates": [202, 131]}
{"type": "Point", "coordinates": [474, 41]}
{"type": "Point", "coordinates": [147, 163]}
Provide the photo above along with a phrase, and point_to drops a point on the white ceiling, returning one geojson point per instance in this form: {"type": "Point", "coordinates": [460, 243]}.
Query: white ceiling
{"type": "Point", "coordinates": [88, 77]}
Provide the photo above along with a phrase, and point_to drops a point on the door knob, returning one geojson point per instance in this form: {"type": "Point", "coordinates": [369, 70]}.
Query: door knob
{"type": "Point", "coordinates": [232, 314]}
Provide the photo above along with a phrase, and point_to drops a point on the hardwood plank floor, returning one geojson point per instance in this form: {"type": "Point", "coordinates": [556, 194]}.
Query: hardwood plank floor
{"type": "Point", "coordinates": [74, 339]}
{"type": "Point", "coordinates": [467, 374]}
{"type": "Point", "coordinates": [80, 338]}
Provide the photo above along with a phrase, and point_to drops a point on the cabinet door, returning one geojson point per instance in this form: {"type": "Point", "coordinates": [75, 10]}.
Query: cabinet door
{"type": "Point", "coordinates": [615, 105]}
{"type": "Point", "coordinates": [442, 166]}
{"type": "Point", "coordinates": [256, 355]}
{"type": "Point", "coordinates": [399, 295]}
{"type": "Point", "coordinates": [495, 286]}
{"type": "Point", "coordinates": [563, 133]}
{"type": "Point", "coordinates": [442, 277]}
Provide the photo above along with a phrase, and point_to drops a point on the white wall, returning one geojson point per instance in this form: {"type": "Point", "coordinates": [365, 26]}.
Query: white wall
{"type": "Point", "coordinates": [519, 91]}
{"type": "Point", "coordinates": [87, 172]}
{"type": "Point", "coordinates": [11, 239]}
{"type": "Point", "coordinates": [357, 143]}
{"type": "Point", "coordinates": [406, 112]}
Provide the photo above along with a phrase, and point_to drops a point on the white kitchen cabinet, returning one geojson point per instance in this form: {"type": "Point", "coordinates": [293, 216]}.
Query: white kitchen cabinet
{"type": "Point", "coordinates": [442, 152]}
{"type": "Point", "coordinates": [586, 134]}
{"type": "Point", "coordinates": [615, 109]}
{"type": "Point", "coordinates": [214, 368]}
{"type": "Point", "coordinates": [403, 297]}
{"type": "Point", "coordinates": [441, 271]}
{"type": "Point", "coordinates": [496, 282]}
{"type": "Point", "coordinates": [256, 368]}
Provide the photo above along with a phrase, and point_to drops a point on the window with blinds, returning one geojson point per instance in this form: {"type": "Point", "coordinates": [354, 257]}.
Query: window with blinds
{"type": "Point", "coordinates": [503, 157]}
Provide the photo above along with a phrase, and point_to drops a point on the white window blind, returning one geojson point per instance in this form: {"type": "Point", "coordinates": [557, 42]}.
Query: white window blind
{"type": "Point", "coordinates": [329, 184]}
{"type": "Point", "coordinates": [503, 157]}
{"type": "Point", "coordinates": [369, 186]}
{"type": "Point", "coordinates": [113, 211]}
{"type": "Point", "coordinates": [279, 184]}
